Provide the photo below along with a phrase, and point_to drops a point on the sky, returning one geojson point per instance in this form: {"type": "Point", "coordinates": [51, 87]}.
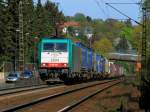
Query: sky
{"type": "Point", "coordinates": [98, 8]}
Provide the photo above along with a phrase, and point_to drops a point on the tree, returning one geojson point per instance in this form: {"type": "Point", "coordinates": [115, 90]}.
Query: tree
{"type": "Point", "coordinates": [47, 19]}
{"type": "Point", "coordinates": [89, 19]}
{"type": "Point", "coordinates": [79, 17]}
{"type": "Point", "coordinates": [146, 3]}
{"type": "Point", "coordinates": [127, 32]}
{"type": "Point", "coordinates": [28, 14]}
{"type": "Point", "coordinates": [103, 46]}
{"type": "Point", "coordinates": [54, 18]}
{"type": "Point", "coordinates": [128, 23]}
{"type": "Point", "coordinates": [7, 29]}
{"type": "Point", "coordinates": [137, 35]}
{"type": "Point", "coordinates": [122, 45]}
{"type": "Point", "coordinates": [38, 20]}
{"type": "Point", "coordinates": [2, 30]}
{"type": "Point", "coordinates": [51, 12]}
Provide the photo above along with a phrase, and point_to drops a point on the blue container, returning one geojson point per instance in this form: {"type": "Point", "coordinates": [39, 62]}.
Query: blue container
{"type": "Point", "coordinates": [98, 63]}
{"type": "Point", "coordinates": [84, 56]}
{"type": "Point", "coordinates": [102, 64]}
{"type": "Point", "coordinates": [90, 59]}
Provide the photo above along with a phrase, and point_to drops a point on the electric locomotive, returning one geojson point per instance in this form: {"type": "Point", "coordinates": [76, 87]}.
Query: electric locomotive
{"type": "Point", "coordinates": [53, 58]}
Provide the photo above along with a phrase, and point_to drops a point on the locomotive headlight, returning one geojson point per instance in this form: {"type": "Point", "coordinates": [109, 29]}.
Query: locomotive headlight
{"type": "Point", "coordinates": [44, 64]}
{"type": "Point", "coordinates": [65, 64]}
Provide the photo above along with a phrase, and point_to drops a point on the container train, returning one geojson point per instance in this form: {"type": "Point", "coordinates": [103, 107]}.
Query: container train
{"type": "Point", "coordinates": [71, 61]}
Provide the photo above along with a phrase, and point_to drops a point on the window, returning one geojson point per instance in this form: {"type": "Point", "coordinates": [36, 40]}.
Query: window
{"type": "Point", "coordinates": [55, 47]}
{"type": "Point", "coordinates": [61, 47]}
{"type": "Point", "coordinates": [12, 75]}
{"type": "Point", "coordinates": [48, 47]}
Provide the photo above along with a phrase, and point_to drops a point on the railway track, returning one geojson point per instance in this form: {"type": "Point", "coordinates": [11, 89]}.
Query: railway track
{"type": "Point", "coordinates": [78, 102]}
{"type": "Point", "coordinates": [25, 89]}
{"type": "Point", "coordinates": [58, 97]}
{"type": "Point", "coordinates": [20, 89]}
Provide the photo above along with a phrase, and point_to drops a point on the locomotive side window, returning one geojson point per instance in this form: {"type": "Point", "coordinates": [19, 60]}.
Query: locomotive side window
{"type": "Point", "coordinates": [61, 47]}
{"type": "Point", "coordinates": [48, 47]}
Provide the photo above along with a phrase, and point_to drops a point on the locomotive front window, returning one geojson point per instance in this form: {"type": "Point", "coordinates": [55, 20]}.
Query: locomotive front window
{"type": "Point", "coordinates": [48, 46]}
{"type": "Point", "coordinates": [61, 47]}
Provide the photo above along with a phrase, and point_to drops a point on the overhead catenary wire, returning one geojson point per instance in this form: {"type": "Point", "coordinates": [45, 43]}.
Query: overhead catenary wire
{"type": "Point", "coordinates": [99, 6]}
{"type": "Point", "coordinates": [107, 9]}
{"type": "Point", "coordinates": [102, 1]}
{"type": "Point", "coordinates": [123, 13]}
{"type": "Point", "coordinates": [123, 3]}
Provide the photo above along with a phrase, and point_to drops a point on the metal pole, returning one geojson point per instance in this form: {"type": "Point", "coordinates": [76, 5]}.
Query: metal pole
{"type": "Point", "coordinates": [26, 47]}
{"type": "Point", "coordinates": [143, 58]}
{"type": "Point", "coordinates": [16, 51]}
{"type": "Point", "coordinates": [144, 87]}
{"type": "Point", "coordinates": [90, 41]}
{"type": "Point", "coordinates": [34, 51]}
{"type": "Point", "coordinates": [21, 37]}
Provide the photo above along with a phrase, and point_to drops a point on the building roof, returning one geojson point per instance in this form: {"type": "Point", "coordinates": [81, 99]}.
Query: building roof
{"type": "Point", "coordinates": [71, 23]}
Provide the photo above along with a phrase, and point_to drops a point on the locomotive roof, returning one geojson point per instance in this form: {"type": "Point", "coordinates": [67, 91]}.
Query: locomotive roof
{"type": "Point", "coordinates": [54, 37]}
{"type": "Point", "coordinates": [77, 43]}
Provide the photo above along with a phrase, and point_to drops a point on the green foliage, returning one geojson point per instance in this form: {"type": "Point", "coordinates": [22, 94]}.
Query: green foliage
{"type": "Point", "coordinates": [39, 21]}
{"type": "Point", "coordinates": [137, 34]}
{"type": "Point", "coordinates": [103, 46]}
{"type": "Point", "coordinates": [2, 30]}
{"type": "Point", "coordinates": [127, 33]}
{"type": "Point", "coordinates": [122, 46]}
{"type": "Point", "coordinates": [146, 3]}
{"type": "Point", "coordinates": [6, 34]}
{"type": "Point", "coordinates": [79, 17]}
{"type": "Point", "coordinates": [111, 29]}
{"type": "Point", "coordinates": [42, 20]}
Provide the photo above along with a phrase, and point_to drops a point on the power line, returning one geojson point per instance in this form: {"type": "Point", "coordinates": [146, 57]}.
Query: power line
{"type": "Point", "coordinates": [107, 10]}
{"type": "Point", "coordinates": [98, 4]}
{"type": "Point", "coordinates": [107, 14]}
{"type": "Point", "coordinates": [123, 13]}
{"type": "Point", "coordinates": [124, 3]}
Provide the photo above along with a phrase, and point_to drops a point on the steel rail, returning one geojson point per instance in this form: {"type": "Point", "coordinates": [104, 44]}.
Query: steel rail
{"type": "Point", "coordinates": [74, 104]}
{"type": "Point", "coordinates": [26, 89]}
{"type": "Point", "coordinates": [42, 99]}
{"type": "Point", "coordinates": [18, 87]}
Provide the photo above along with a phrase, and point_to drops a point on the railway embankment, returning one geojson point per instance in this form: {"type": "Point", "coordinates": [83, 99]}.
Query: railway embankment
{"type": "Point", "coordinates": [123, 97]}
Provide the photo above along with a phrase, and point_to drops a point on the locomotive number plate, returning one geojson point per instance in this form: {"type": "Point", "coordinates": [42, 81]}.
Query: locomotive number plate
{"type": "Point", "coordinates": [54, 60]}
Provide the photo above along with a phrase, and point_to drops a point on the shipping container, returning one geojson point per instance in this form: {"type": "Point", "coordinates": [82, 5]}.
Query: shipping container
{"type": "Point", "coordinates": [84, 56]}
{"type": "Point", "coordinates": [76, 59]}
{"type": "Point", "coordinates": [90, 59]}
{"type": "Point", "coordinates": [107, 70]}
